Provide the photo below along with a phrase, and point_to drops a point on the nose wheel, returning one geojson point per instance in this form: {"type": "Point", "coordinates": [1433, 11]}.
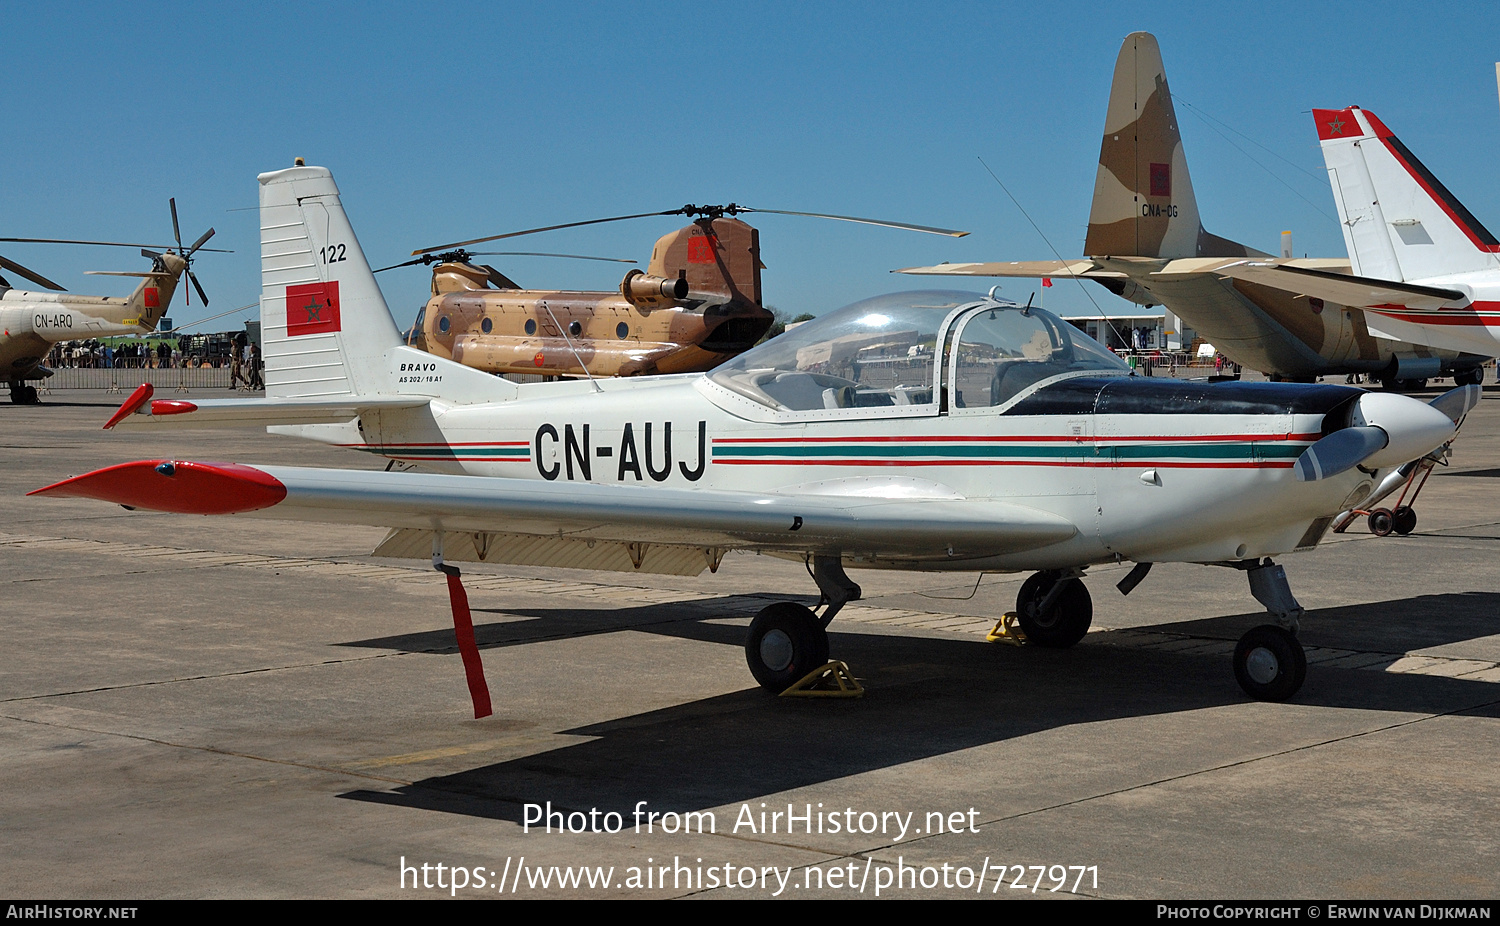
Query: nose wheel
{"type": "Point", "coordinates": [1269, 663]}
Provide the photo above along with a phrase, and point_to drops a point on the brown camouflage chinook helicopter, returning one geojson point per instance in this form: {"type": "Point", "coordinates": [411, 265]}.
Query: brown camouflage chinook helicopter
{"type": "Point", "coordinates": [697, 304]}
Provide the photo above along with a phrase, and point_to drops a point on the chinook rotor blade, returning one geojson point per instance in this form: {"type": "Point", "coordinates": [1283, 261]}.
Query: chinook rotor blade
{"type": "Point", "coordinates": [617, 260]}
{"type": "Point", "coordinates": [533, 231]}
{"type": "Point", "coordinates": [1340, 451]}
{"type": "Point", "coordinates": [929, 229]}
{"type": "Point", "coordinates": [463, 256]}
{"type": "Point", "coordinates": [31, 275]}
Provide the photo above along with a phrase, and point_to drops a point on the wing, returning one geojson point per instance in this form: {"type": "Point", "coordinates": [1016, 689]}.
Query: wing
{"type": "Point", "coordinates": [1016, 268]}
{"type": "Point", "coordinates": [487, 508]}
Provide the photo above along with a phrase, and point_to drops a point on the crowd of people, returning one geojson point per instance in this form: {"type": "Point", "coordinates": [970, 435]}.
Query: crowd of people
{"type": "Point", "coordinates": [243, 357]}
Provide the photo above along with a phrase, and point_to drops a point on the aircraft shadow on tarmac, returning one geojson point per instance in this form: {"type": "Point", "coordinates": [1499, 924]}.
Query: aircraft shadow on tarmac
{"type": "Point", "coordinates": [928, 697]}
{"type": "Point", "coordinates": [1488, 473]}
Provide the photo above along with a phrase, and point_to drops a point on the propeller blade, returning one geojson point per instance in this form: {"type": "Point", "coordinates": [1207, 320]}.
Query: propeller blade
{"type": "Point", "coordinates": [533, 231]}
{"type": "Point", "coordinates": [1340, 451]}
{"type": "Point", "coordinates": [33, 276]}
{"type": "Point", "coordinates": [1456, 403]}
{"type": "Point", "coordinates": [617, 260]}
{"type": "Point", "coordinates": [128, 273]}
{"type": "Point", "coordinates": [147, 253]}
{"type": "Point", "coordinates": [176, 231]}
{"type": "Point", "coordinates": [201, 294]}
{"type": "Point", "coordinates": [931, 230]}
{"type": "Point", "coordinates": [199, 243]}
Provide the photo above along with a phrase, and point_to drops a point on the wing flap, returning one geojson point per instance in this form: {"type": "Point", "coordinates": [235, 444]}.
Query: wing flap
{"type": "Point", "coordinates": [555, 552]}
{"type": "Point", "coordinates": [578, 511]}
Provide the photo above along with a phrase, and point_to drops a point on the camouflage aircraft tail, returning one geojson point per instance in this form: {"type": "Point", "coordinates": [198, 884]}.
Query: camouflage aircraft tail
{"type": "Point", "coordinates": [1399, 222]}
{"type": "Point", "coordinates": [1143, 198]}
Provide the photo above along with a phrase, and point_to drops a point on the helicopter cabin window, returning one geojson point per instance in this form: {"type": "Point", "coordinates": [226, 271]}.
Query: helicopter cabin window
{"type": "Point", "coordinates": [874, 358]}
{"type": "Point", "coordinates": [1002, 351]}
{"type": "Point", "coordinates": [622, 331]}
{"type": "Point", "coordinates": [531, 326]}
{"type": "Point", "coordinates": [443, 324]}
{"type": "Point", "coordinates": [574, 328]}
{"type": "Point", "coordinates": [487, 325]}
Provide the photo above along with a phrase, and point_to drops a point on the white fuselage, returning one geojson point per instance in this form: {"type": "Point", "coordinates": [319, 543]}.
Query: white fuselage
{"type": "Point", "coordinates": [1199, 487]}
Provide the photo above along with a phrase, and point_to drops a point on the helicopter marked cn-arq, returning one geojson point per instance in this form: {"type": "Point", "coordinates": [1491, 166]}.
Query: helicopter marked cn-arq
{"type": "Point", "coordinates": [696, 305]}
{"type": "Point", "coordinates": [922, 431]}
{"type": "Point", "coordinates": [31, 322]}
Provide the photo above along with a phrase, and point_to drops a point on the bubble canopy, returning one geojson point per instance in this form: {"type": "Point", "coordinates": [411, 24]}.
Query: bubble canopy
{"type": "Point", "coordinates": [884, 353]}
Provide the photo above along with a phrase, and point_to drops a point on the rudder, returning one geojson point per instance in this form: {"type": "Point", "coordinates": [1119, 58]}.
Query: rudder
{"type": "Point", "coordinates": [324, 322]}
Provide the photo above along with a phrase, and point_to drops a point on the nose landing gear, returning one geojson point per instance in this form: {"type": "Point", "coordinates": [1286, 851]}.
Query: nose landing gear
{"type": "Point", "coordinates": [1269, 663]}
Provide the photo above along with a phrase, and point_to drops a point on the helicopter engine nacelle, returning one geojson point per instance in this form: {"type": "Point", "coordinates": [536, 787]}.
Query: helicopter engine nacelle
{"type": "Point", "coordinates": [648, 292]}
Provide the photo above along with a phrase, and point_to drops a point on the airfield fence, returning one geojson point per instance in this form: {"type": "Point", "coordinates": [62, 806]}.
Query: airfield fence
{"type": "Point", "coordinates": [126, 379]}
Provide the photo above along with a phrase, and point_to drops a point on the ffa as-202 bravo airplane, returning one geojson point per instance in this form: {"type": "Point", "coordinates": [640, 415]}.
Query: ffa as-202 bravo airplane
{"type": "Point", "coordinates": [921, 430]}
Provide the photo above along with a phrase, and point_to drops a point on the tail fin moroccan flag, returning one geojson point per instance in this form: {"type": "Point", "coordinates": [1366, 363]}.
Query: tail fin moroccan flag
{"type": "Point", "coordinates": [1143, 199]}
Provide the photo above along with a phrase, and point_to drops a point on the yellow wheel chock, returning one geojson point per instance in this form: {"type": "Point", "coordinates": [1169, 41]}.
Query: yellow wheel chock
{"type": "Point", "coordinates": [1007, 630]}
{"type": "Point", "coordinates": [833, 680]}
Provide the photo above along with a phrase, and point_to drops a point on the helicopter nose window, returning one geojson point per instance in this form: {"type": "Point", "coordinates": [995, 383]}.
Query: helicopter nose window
{"type": "Point", "coordinates": [487, 325]}
{"type": "Point", "coordinates": [531, 326]}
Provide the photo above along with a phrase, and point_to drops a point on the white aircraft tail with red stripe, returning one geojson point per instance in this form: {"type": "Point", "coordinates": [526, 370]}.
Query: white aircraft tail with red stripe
{"type": "Point", "coordinates": [327, 332]}
{"type": "Point", "coordinates": [324, 322]}
{"type": "Point", "coordinates": [1399, 222]}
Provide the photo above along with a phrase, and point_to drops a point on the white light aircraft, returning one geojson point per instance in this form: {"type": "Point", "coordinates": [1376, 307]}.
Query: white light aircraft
{"type": "Point", "coordinates": [919, 431]}
{"type": "Point", "coordinates": [1424, 269]}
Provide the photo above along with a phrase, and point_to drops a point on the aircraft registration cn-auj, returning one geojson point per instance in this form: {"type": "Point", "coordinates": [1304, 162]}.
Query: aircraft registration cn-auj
{"type": "Point", "coordinates": [920, 430]}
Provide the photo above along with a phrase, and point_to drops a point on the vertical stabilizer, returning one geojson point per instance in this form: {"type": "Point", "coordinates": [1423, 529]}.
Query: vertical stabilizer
{"type": "Point", "coordinates": [1399, 222]}
{"type": "Point", "coordinates": [324, 323]}
{"type": "Point", "coordinates": [1143, 198]}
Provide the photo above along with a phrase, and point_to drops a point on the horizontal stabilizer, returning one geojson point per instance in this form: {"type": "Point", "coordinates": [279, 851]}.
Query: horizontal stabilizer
{"type": "Point", "coordinates": [254, 413]}
{"type": "Point", "coordinates": [1355, 291]}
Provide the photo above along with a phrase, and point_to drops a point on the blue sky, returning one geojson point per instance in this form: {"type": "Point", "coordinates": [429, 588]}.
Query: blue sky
{"type": "Point", "coordinates": [452, 121]}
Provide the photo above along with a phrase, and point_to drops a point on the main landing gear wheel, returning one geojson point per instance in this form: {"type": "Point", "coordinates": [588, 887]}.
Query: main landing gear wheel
{"type": "Point", "coordinates": [22, 394]}
{"type": "Point", "coordinates": [1065, 621]}
{"type": "Point", "coordinates": [1382, 522]}
{"type": "Point", "coordinates": [786, 642]}
{"type": "Point", "coordinates": [1404, 520]}
{"type": "Point", "coordinates": [1269, 663]}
